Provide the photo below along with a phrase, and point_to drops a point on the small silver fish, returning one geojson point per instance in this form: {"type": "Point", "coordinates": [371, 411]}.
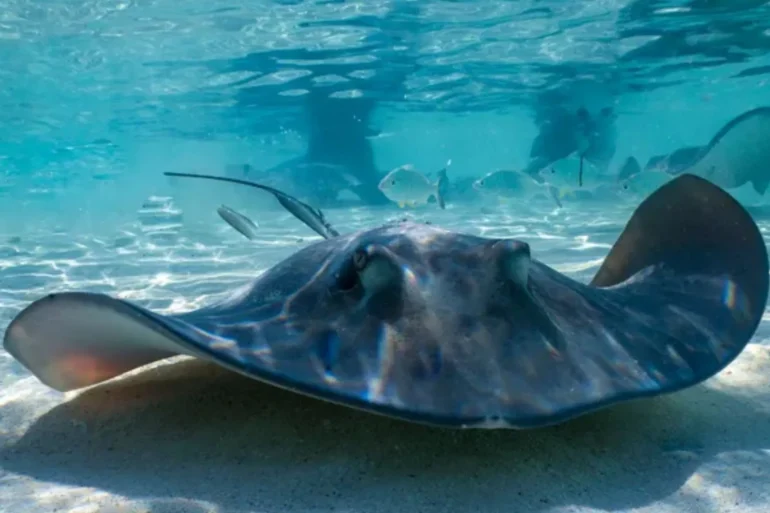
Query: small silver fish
{"type": "Point", "coordinates": [563, 175]}
{"type": "Point", "coordinates": [239, 222]}
{"type": "Point", "coordinates": [408, 187]}
{"type": "Point", "coordinates": [506, 183]}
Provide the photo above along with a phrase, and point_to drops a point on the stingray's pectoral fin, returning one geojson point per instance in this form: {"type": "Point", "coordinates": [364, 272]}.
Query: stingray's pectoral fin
{"type": "Point", "coordinates": [705, 245]}
{"type": "Point", "coordinates": [74, 340]}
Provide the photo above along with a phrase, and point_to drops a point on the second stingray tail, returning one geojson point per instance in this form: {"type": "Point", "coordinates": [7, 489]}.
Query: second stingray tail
{"type": "Point", "coordinates": [693, 229]}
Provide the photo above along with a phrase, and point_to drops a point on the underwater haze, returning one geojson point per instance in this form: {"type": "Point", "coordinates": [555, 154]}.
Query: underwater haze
{"type": "Point", "coordinates": [585, 107]}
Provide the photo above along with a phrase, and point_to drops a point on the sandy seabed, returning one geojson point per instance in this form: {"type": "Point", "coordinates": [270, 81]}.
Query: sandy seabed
{"type": "Point", "coordinates": [185, 436]}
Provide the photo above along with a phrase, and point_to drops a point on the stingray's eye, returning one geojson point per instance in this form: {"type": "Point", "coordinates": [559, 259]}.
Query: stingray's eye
{"type": "Point", "coordinates": [625, 186]}
{"type": "Point", "coordinates": [392, 182]}
{"type": "Point", "coordinates": [348, 278]}
{"type": "Point", "coordinates": [481, 182]}
{"type": "Point", "coordinates": [360, 259]}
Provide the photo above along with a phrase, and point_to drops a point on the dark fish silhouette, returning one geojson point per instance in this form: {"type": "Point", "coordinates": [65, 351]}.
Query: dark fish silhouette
{"type": "Point", "coordinates": [437, 327]}
{"type": "Point", "coordinates": [629, 168]}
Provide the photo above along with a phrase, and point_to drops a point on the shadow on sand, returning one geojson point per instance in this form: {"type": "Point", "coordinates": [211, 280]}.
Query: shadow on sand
{"type": "Point", "coordinates": [190, 432]}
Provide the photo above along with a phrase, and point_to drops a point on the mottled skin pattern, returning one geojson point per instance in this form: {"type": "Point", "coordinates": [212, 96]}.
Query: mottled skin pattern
{"type": "Point", "coordinates": [442, 328]}
{"type": "Point", "coordinates": [447, 334]}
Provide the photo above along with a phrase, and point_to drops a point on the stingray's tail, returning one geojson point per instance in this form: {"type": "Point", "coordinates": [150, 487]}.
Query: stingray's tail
{"type": "Point", "coordinates": [695, 228]}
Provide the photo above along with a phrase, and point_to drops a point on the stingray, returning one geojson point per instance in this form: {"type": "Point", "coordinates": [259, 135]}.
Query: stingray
{"type": "Point", "coordinates": [432, 326]}
{"type": "Point", "coordinates": [738, 154]}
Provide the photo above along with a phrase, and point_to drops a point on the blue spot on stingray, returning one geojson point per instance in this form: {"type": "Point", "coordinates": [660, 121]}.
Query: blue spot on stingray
{"type": "Point", "coordinates": [328, 350]}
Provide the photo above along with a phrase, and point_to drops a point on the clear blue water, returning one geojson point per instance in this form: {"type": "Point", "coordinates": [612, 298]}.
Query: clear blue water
{"type": "Point", "coordinates": [98, 99]}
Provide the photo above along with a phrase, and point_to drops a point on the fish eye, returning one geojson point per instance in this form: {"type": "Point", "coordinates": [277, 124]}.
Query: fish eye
{"type": "Point", "coordinates": [625, 186]}
{"type": "Point", "coordinates": [393, 182]}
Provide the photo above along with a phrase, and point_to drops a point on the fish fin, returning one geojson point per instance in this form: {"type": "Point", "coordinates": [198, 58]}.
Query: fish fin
{"type": "Point", "coordinates": [555, 195]}
{"type": "Point", "coordinates": [691, 227]}
{"type": "Point", "coordinates": [760, 184]}
{"type": "Point", "coordinates": [629, 168]}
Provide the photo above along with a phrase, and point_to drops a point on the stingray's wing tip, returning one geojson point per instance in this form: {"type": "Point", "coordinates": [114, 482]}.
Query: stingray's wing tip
{"type": "Point", "coordinates": [73, 340]}
{"type": "Point", "coordinates": [701, 224]}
